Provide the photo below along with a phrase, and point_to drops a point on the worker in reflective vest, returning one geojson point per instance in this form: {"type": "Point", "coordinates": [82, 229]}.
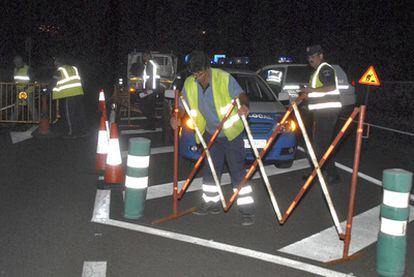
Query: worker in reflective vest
{"type": "Point", "coordinates": [325, 105]}
{"type": "Point", "coordinates": [69, 91]}
{"type": "Point", "coordinates": [24, 90]}
{"type": "Point", "coordinates": [146, 97]}
{"type": "Point", "coordinates": [209, 93]}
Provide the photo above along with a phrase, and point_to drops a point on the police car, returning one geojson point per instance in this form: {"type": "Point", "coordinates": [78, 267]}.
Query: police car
{"type": "Point", "coordinates": [265, 113]}
{"type": "Point", "coordinates": [289, 78]}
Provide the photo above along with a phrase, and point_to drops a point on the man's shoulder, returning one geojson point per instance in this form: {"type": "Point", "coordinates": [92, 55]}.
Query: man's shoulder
{"type": "Point", "coordinates": [327, 70]}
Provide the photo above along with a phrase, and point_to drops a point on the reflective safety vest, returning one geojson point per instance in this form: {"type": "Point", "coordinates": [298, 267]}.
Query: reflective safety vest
{"type": "Point", "coordinates": [150, 81]}
{"type": "Point", "coordinates": [22, 79]}
{"type": "Point", "coordinates": [323, 100]}
{"type": "Point", "coordinates": [69, 83]}
{"type": "Point", "coordinates": [222, 100]}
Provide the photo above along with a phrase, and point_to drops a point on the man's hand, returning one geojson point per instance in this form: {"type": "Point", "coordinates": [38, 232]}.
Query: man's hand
{"type": "Point", "coordinates": [174, 123]}
{"type": "Point", "coordinates": [244, 110]}
{"type": "Point", "coordinates": [305, 92]}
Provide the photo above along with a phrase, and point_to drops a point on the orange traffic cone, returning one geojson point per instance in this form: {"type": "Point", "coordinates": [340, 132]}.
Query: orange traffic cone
{"type": "Point", "coordinates": [102, 146]}
{"type": "Point", "coordinates": [114, 173]}
{"type": "Point", "coordinates": [102, 103]}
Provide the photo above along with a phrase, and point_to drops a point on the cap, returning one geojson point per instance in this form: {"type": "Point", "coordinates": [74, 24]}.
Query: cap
{"type": "Point", "coordinates": [313, 49]}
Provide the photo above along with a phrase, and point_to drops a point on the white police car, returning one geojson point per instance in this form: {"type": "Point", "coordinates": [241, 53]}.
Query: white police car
{"type": "Point", "coordinates": [265, 112]}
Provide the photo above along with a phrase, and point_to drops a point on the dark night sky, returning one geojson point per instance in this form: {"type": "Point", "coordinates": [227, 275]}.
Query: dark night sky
{"type": "Point", "coordinates": [98, 34]}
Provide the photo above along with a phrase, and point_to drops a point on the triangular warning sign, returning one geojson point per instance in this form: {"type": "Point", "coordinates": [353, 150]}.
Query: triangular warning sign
{"type": "Point", "coordinates": [370, 77]}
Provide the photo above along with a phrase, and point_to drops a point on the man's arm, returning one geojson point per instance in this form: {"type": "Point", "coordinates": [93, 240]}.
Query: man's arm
{"type": "Point", "coordinates": [244, 102]}
{"type": "Point", "coordinates": [327, 78]}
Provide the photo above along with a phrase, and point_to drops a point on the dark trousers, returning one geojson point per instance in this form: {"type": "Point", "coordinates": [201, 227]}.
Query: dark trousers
{"type": "Point", "coordinates": [233, 153]}
{"type": "Point", "coordinates": [73, 111]}
{"type": "Point", "coordinates": [325, 122]}
{"type": "Point", "coordinates": [147, 106]}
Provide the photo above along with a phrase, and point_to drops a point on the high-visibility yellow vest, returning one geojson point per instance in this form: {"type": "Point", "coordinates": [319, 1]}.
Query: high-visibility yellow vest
{"type": "Point", "coordinates": [22, 79]}
{"type": "Point", "coordinates": [222, 101]}
{"type": "Point", "coordinates": [323, 100]}
{"type": "Point", "coordinates": [69, 83]}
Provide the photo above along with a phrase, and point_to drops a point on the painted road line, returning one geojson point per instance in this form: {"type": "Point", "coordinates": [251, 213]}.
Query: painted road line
{"type": "Point", "coordinates": [101, 208]}
{"type": "Point", "coordinates": [325, 246]}
{"type": "Point", "coordinates": [17, 137]}
{"type": "Point", "coordinates": [101, 215]}
{"type": "Point", "coordinates": [364, 176]}
{"type": "Point", "coordinates": [154, 151]}
{"type": "Point", "coordinates": [138, 118]}
{"type": "Point", "coordinates": [163, 190]}
{"type": "Point", "coordinates": [94, 269]}
{"type": "Point", "coordinates": [297, 265]}
{"type": "Point", "coordinates": [140, 131]}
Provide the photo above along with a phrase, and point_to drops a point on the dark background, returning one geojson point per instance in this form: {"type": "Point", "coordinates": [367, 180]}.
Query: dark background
{"type": "Point", "coordinates": [97, 35]}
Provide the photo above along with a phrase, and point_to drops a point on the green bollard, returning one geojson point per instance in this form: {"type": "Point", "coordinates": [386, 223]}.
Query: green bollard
{"type": "Point", "coordinates": [395, 210]}
{"type": "Point", "coordinates": [136, 180]}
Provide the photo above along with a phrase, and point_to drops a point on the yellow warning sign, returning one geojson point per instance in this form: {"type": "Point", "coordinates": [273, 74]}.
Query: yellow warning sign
{"type": "Point", "coordinates": [370, 78]}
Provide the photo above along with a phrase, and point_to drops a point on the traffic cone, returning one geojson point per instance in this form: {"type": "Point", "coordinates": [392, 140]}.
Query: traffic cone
{"type": "Point", "coordinates": [102, 146]}
{"type": "Point", "coordinates": [102, 103]}
{"type": "Point", "coordinates": [114, 173]}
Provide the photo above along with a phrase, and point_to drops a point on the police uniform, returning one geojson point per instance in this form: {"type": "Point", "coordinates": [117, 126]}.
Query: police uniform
{"type": "Point", "coordinates": [325, 108]}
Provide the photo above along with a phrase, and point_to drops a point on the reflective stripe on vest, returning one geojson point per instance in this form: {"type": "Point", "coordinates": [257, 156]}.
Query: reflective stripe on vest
{"type": "Point", "coordinates": [154, 76]}
{"type": "Point", "coordinates": [222, 101]}
{"type": "Point", "coordinates": [21, 75]}
{"type": "Point", "coordinates": [70, 83]}
{"type": "Point", "coordinates": [323, 100]}
{"type": "Point", "coordinates": [22, 79]}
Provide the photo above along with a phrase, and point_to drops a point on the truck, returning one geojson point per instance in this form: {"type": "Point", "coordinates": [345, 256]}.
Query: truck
{"type": "Point", "coordinates": [166, 71]}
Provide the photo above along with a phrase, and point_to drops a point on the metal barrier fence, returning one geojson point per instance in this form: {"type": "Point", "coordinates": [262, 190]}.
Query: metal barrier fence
{"type": "Point", "coordinates": [27, 104]}
{"type": "Point", "coordinates": [392, 106]}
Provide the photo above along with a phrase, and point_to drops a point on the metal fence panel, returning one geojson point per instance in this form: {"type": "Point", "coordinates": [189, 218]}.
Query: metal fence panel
{"type": "Point", "coordinates": [26, 105]}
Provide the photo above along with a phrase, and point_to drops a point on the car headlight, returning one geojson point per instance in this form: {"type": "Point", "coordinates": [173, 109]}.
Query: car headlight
{"type": "Point", "coordinates": [132, 90]}
{"type": "Point", "coordinates": [289, 126]}
{"type": "Point", "coordinates": [189, 124]}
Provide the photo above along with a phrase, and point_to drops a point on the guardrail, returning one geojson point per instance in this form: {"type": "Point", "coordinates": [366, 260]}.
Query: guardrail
{"type": "Point", "coordinates": [390, 109]}
{"type": "Point", "coordinates": [26, 104]}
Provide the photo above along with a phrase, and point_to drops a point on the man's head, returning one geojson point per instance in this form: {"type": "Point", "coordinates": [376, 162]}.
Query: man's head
{"type": "Point", "coordinates": [198, 65]}
{"type": "Point", "coordinates": [146, 56]}
{"type": "Point", "coordinates": [58, 61]}
{"type": "Point", "coordinates": [18, 61]}
{"type": "Point", "coordinates": [314, 55]}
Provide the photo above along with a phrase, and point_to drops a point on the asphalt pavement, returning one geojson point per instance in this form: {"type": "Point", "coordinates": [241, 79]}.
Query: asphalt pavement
{"type": "Point", "coordinates": [54, 221]}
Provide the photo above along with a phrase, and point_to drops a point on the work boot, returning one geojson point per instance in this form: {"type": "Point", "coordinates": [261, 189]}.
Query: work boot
{"type": "Point", "coordinates": [206, 208]}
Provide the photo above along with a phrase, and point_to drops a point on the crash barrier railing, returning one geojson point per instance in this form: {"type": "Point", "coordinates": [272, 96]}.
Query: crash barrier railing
{"type": "Point", "coordinates": [293, 108]}
{"type": "Point", "coordinates": [390, 105]}
{"type": "Point", "coordinates": [27, 104]}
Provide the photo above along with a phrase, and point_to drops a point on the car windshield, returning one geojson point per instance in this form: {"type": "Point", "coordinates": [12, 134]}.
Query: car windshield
{"type": "Point", "coordinates": [298, 74]}
{"type": "Point", "coordinates": [255, 88]}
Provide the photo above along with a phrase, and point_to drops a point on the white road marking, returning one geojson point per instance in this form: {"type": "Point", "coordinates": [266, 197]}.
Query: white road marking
{"type": "Point", "coordinates": [297, 265]}
{"type": "Point", "coordinates": [140, 131]}
{"type": "Point", "coordinates": [101, 207]}
{"type": "Point", "coordinates": [163, 190]}
{"type": "Point", "coordinates": [94, 269]}
{"type": "Point", "coordinates": [364, 176]}
{"type": "Point", "coordinates": [364, 233]}
{"type": "Point", "coordinates": [17, 137]}
{"type": "Point", "coordinates": [101, 215]}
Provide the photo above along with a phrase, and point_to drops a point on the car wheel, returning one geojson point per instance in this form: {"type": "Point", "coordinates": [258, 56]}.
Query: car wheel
{"type": "Point", "coordinates": [284, 164]}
